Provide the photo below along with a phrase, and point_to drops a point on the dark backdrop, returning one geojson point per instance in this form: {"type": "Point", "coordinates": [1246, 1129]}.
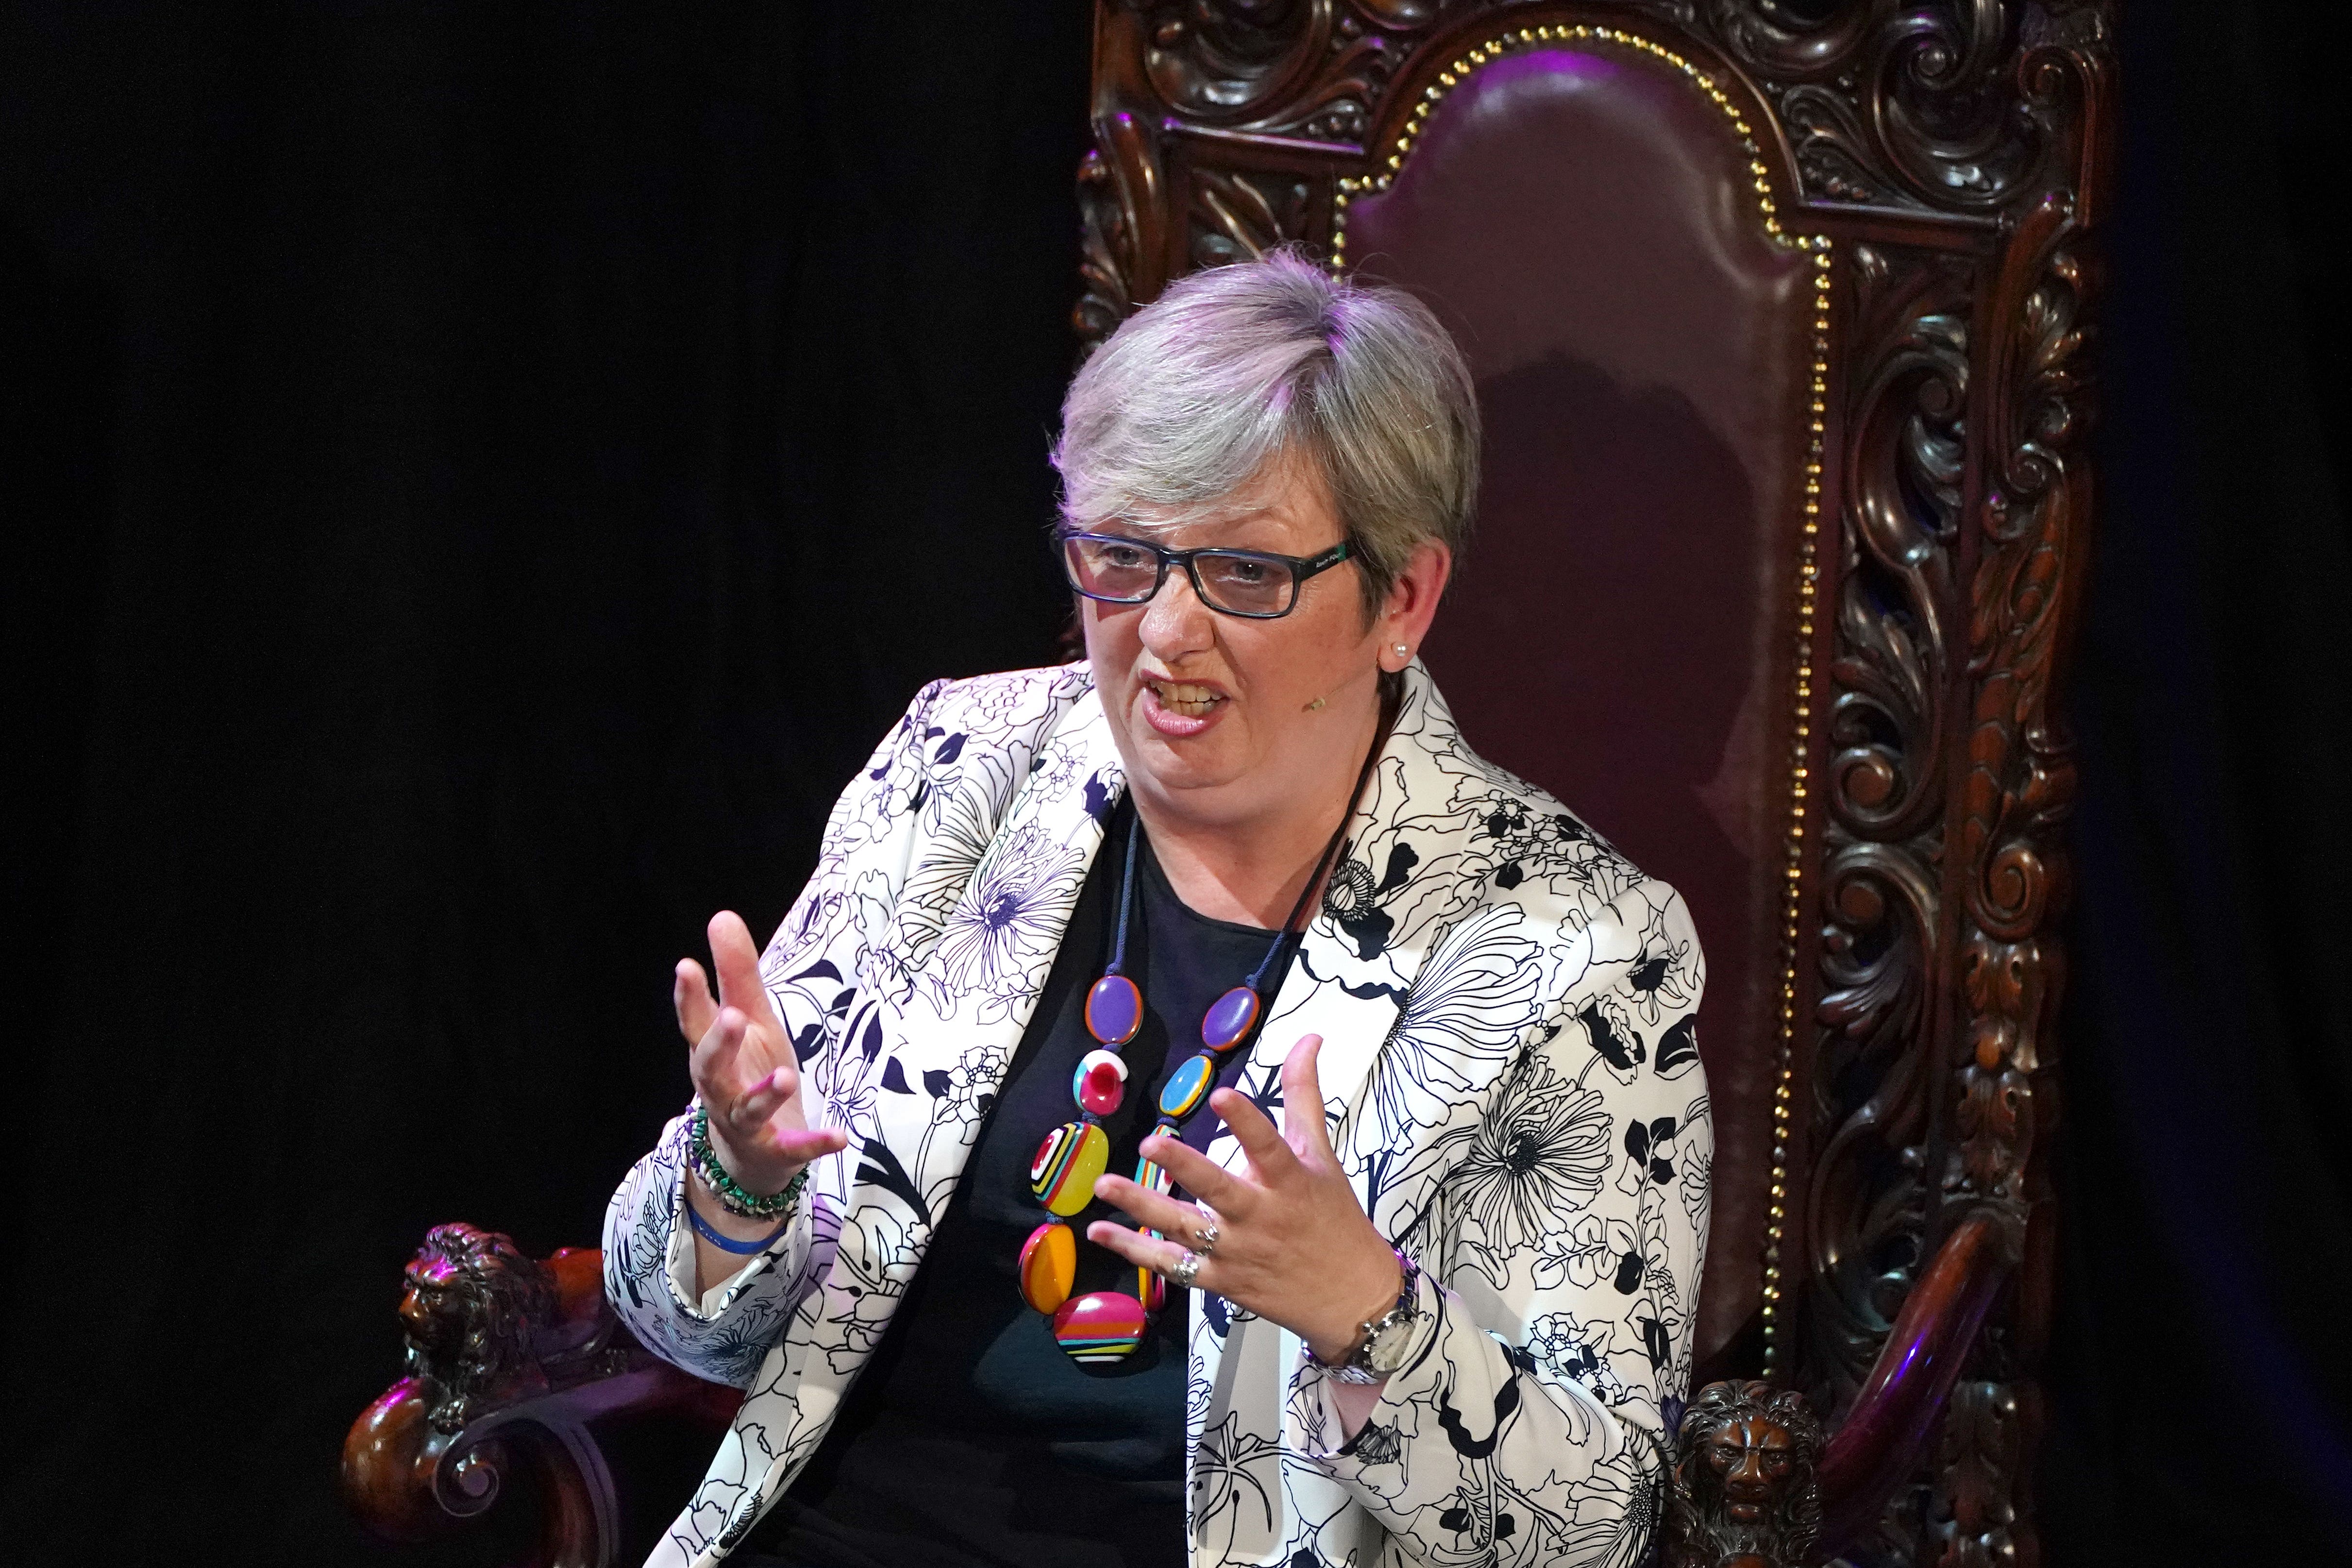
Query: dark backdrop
{"type": "Point", "coordinates": [476, 480]}
{"type": "Point", "coordinates": [2202, 1371]}
{"type": "Point", "coordinates": [502, 468]}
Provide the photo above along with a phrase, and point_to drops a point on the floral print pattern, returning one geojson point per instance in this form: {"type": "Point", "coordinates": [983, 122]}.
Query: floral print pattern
{"type": "Point", "coordinates": [1463, 1012]}
{"type": "Point", "coordinates": [994, 938]}
{"type": "Point", "coordinates": [1511, 1079]}
{"type": "Point", "coordinates": [1539, 1151]}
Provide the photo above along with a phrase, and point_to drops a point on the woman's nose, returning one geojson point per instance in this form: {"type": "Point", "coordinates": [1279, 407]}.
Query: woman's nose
{"type": "Point", "coordinates": [1175, 622]}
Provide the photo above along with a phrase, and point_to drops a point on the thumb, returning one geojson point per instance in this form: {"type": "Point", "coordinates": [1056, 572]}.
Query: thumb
{"type": "Point", "coordinates": [689, 995]}
{"type": "Point", "coordinates": [1303, 1126]}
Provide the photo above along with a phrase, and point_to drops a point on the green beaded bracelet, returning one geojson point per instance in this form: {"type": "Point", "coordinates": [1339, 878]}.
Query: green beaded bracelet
{"type": "Point", "coordinates": [729, 1193]}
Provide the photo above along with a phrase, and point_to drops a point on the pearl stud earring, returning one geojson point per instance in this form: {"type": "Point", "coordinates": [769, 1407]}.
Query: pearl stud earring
{"type": "Point", "coordinates": [1402, 650]}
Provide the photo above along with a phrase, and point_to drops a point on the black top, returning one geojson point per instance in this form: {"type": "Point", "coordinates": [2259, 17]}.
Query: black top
{"type": "Point", "coordinates": [970, 1437]}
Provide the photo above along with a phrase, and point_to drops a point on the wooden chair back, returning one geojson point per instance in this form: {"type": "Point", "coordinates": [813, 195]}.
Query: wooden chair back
{"type": "Point", "coordinates": [1778, 315]}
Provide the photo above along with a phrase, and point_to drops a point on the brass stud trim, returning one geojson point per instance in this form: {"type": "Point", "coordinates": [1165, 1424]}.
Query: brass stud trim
{"type": "Point", "coordinates": [1511, 41]}
{"type": "Point", "coordinates": [1776, 1346]}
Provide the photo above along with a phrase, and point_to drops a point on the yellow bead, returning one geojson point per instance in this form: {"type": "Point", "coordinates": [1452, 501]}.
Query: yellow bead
{"type": "Point", "coordinates": [1068, 1162]}
{"type": "Point", "coordinates": [1049, 1266]}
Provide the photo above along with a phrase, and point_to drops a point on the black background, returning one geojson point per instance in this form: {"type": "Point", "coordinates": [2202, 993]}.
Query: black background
{"type": "Point", "coordinates": [478, 479]}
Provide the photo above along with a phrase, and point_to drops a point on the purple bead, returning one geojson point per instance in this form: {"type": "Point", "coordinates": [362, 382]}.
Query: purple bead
{"type": "Point", "coordinates": [1227, 1022]}
{"type": "Point", "coordinates": [1114, 1010]}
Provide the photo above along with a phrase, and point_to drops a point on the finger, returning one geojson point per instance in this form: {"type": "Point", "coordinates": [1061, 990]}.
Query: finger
{"type": "Point", "coordinates": [689, 996]}
{"type": "Point", "coordinates": [711, 1064]}
{"type": "Point", "coordinates": [737, 959]}
{"type": "Point", "coordinates": [1271, 1160]}
{"type": "Point", "coordinates": [1202, 1176]}
{"type": "Point", "coordinates": [764, 1099]}
{"type": "Point", "coordinates": [1154, 1211]}
{"type": "Point", "coordinates": [1142, 1251]}
{"type": "Point", "coordinates": [1303, 1124]}
{"type": "Point", "coordinates": [804, 1146]}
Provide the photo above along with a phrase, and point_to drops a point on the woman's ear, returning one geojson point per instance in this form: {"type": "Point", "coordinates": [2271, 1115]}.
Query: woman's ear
{"type": "Point", "coordinates": [1412, 602]}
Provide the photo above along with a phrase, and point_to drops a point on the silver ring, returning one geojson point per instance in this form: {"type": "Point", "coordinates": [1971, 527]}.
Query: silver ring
{"type": "Point", "coordinates": [1204, 1239]}
{"type": "Point", "coordinates": [1185, 1270]}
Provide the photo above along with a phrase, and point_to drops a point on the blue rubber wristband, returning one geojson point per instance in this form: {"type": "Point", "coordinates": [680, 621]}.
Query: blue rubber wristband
{"type": "Point", "coordinates": [704, 1229]}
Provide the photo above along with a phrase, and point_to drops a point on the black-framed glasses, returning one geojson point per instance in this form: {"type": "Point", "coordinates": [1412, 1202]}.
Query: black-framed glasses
{"type": "Point", "coordinates": [1253, 583]}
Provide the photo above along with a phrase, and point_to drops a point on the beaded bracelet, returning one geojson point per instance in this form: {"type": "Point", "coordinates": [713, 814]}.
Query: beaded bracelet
{"type": "Point", "coordinates": [731, 1193]}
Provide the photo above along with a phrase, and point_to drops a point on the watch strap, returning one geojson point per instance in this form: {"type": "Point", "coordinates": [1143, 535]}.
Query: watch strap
{"type": "Point", "coordinates": [1358, 1367]}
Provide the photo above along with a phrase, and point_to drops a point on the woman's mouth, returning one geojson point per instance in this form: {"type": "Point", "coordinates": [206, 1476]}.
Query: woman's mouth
{"type": "Point", "coordinates": [1180, 708]}
{"type": "Point", "coordinates": [1181, 697]}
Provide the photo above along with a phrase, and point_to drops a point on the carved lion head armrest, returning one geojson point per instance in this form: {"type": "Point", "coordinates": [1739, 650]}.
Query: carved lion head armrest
{"type": "Point", "coordinates": [509, 1361]}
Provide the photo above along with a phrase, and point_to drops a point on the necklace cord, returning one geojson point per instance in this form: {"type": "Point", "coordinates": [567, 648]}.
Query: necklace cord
{"type": "Point", "coordinates": [1323, 863]}
{"type": "Point", "coordinates": [1106, 1326]}
{"type": "Point", "coordinates": [1390, 705]}
{"type": "Point", "coordinates": [1126, 893]}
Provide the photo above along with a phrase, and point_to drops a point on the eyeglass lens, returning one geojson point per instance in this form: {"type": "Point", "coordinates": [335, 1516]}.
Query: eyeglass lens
{"type": "Point", "coordinates": [1126, 571]}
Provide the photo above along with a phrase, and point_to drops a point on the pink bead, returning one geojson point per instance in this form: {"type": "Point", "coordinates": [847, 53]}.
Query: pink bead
{"type": "Point", "coordinates": [1101, 1092]}
{"type": "Point", "coordinates": [1101, 1325]}
{"type": "Point", "coordinates": [1100, 1082]}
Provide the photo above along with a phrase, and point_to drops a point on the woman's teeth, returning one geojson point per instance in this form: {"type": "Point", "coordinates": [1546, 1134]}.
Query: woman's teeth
{"type": "Point", "coordinates": [1190, 700]}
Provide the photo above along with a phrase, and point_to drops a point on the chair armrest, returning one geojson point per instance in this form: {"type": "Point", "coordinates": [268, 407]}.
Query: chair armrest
{"type": "Point", "coordinates": [510, 1360]}
{"type": "Point", "coordinates": [1753, 1478]}
{"type": "Point", "coordinates": [1882, 1439]}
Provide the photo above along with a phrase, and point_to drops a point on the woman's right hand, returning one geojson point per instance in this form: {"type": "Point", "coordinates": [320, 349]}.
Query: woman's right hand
{"type": "Point", "coordinates": [744, 1068]}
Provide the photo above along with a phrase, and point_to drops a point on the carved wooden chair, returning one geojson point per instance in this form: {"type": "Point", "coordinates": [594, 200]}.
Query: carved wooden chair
{"type": "Point", "coordinates": [1778, 311]}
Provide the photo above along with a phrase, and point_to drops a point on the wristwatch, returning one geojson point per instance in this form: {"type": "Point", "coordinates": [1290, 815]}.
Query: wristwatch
{"type": "Point", "coordinates": [1384, 1341]}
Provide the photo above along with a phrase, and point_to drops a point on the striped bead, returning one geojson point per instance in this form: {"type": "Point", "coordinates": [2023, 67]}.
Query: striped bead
{"type": "Point", "coordinates": [1148, 1173]}
{"type": "Point", "coordinates": [1149, 1286]}
{"type": "Point", "coordinates": [1099, 1326]}
{"type": "Point", "coordinates": [1068, 1161]}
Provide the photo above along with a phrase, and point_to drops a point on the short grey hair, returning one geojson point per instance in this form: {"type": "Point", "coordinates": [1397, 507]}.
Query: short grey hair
{"type": "Point", "coordinates": [1242, 365]}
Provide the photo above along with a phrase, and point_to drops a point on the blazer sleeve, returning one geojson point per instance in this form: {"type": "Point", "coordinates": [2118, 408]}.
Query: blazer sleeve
{"type": "Point", "coordinates": [1531, 1424]}
{"type": "Point", "coordinates": [811, 967]}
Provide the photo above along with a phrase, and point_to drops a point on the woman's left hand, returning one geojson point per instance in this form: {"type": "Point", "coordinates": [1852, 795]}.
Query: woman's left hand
{"type": "Point", "coordinates": [1292, 1244]}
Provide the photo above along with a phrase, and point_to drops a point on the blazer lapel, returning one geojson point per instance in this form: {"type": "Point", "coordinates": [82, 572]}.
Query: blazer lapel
{"type": "Point", "coordinates": [963, 993]}
{"type": "Point", "coordinates": [1365, 945]}
{"type": "Point", "coordinates": [1356, 963]}
{"type": "Point", "coordinates": [975, 990]}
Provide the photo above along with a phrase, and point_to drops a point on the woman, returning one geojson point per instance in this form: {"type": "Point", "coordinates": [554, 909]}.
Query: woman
{"type": "Point", "coordinates": [1428, 1250]}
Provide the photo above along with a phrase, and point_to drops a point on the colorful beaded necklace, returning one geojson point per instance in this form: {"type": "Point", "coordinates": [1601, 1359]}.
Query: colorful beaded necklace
{"type": "Point", "coordinates": [1107, 1325]}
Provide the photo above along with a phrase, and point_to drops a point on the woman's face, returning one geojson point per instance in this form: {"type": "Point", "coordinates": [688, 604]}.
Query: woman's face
{"type": "Point", "coordinates": [1216, 716]}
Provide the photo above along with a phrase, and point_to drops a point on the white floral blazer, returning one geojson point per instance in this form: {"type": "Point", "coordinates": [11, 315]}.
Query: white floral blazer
{"type": "Point", "coordinates": [1511, 1077]}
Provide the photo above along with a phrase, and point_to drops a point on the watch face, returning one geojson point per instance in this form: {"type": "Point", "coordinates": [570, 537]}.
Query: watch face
{"type": "Point", "coordinates": [1385, 1351]}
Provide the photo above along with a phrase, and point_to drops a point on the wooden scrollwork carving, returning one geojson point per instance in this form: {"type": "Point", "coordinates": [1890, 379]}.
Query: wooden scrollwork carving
{"type": "Point", "coordinates": [1892, 659]}
{"type": "Point", "coordinates": [1299, 67]}
{"type": "Point", "coordinates": [1122, 226]}
{"type": "Point", "coordinates": [1237, 216]}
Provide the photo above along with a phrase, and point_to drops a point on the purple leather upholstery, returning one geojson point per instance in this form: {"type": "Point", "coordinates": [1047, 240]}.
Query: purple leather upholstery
{"type": "Point", "coordinates": [1619, 633]}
